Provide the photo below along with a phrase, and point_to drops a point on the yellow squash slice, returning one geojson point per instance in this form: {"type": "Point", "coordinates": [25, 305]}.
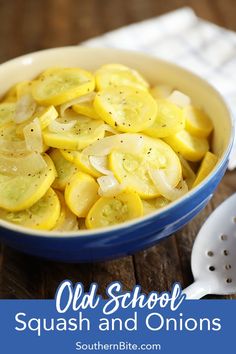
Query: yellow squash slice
{"type": "Point", "coordinates": [85, 131]}
{"type": "Point", "coordinates": [61, 85]}
{"type": "Point", "coordinates": [125, 108]}
{"type": "Point", "coordinates": [21, 192]}
{"type": "Point", "coordinates": [10, 142]}
{"type": "Point", "coordinates": [169, 120]}
{"type": "Point", "coordinates": [81, 193]}
{"type": "Point", "coordinates": [151, 205]}
{"type": "Point", "coordinates": [114, 75]}
{"type": "Point", "coordinates": [42, 215]}
{"type": "Point", "coordinates": [7, 111]}
{"type": "Point", "coordinates": [65, 169]}
{"type": "Point", "coordinates": [188, 174]}
{"type": "Point", "coordinates": [67, 221]}
{"type": "Point", "coordinates": [132, 170]}
{"type": "Point", "coordinates": [197, 122]}
{"type": "Point", "coordinates": [86, 109]}
{"type": "Point", "coordinates": [190, 147]}
{"type": "Point", "coordinates": [207, 165]}
{"type": "Point", "coordinates": [81, 161]}
{"type": "Point", "coordinates": [23, 88]}
{"type": "Point", "coordinates": [115, 210]}
{"type": "Point", "coordinates": [85, 106]}
{"type": "Point", "coordinates": [10, 95]}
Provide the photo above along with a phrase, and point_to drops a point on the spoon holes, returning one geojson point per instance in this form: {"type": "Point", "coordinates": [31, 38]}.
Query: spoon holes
{"type": "Point", "coordinates": [225, 252]}
{"type": "Point", "coordinates": [210, 253]}
{"type": "Point", "coordinates": [212, 268]}
{"type": "Point", "coordinates": [228, 280]}
{"type": "Point", "coordinates": [228, 266]}
{"type": "Point", "coordinates": [223, 237]}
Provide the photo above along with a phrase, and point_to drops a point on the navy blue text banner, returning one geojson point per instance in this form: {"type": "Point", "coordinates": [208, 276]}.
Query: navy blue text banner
{"type": "Point", "coordinates": [35, 326]}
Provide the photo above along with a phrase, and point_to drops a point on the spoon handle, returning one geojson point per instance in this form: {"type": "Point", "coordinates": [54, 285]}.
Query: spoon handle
{"type": "Point", "coordinates": [196, 290]}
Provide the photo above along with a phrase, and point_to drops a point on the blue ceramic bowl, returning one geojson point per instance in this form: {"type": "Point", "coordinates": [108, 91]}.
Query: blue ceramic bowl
{"type": "Point", "coordinates": [141, 233]}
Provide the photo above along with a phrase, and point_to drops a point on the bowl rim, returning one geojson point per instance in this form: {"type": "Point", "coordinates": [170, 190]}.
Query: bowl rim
{"type": "Point", "coordinates": [94, 233]}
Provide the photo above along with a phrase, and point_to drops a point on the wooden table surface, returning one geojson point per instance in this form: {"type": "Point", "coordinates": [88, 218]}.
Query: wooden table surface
{"type": "Point", "coordinates": [30, 25]}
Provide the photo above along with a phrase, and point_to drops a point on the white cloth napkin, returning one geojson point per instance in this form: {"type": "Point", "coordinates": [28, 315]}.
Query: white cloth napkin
{"type": "Point", "coordinates": [181, 37]}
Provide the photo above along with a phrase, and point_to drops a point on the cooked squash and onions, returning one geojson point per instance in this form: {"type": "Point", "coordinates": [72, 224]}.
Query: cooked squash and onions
{"type": "Point", "coordinates": [97, 149]}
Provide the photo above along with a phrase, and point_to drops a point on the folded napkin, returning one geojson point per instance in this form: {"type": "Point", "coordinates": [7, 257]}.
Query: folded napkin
{"type": "Point", "coordinates": [183, 38]}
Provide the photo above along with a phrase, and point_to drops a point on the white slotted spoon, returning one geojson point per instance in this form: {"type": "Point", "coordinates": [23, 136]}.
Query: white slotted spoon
{"type": "Point", "coordinates": [213, 259]}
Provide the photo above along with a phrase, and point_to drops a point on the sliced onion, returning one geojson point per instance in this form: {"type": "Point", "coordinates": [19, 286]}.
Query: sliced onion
{"type": "Point", "coordinates": [69, 104]}
{"type": "Point", "coordinates": [25, 108]}
{"type": "Point", "coordinates": [109, 186]}
{"type": "Point", "coordinates": [29, 164]}
{"type": "Point", "coordinates": [33, 136]}
{"type": "Point", "coordinates": [128, 143]}
{"type": "Point", "coordinates": [57, 127]}
{"type": "Point", "coordinates": [86, 98]}
{"type": "Point", "coordinates": [159, 179]}
{"type": "Point", "coordinates": [179, 98]}
{"type": "Point", "coordinates": [100, 164]}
